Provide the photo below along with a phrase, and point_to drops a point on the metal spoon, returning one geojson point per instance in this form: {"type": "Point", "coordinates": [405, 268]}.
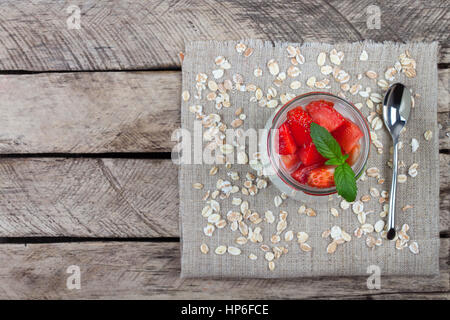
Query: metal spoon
{"type": "Point", "coordinates": [396, 109]}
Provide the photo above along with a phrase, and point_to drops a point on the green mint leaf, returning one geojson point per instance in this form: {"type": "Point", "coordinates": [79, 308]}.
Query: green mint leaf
{"type": "Point", "coordinates": [334, 162]}
{"type": "Point", "coordinates": [345, 181]}
{"type": "Point", "coordinates": [325, 142]}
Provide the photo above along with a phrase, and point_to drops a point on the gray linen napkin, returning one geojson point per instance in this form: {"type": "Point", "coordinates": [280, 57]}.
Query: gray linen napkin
{"type": "Point", "coordinates": [353, 257]}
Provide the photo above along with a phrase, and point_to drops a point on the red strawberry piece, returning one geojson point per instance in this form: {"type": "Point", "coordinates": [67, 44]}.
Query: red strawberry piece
{"type": "Point", "coordinates": [286, 143]}
{"type": "Point", "coordinates": [323, 113]}
{"type": "Point", "coordinates": [322, 177]}
{"type": "Point", "coordinates": [300, 122]}
{"type": "Point", "coordinates": [309, 155]}
{"type": "Point", "coordinates": [354, 154]}
{"type": "Point", "coordinates": [347, 135]}
{"type": "Point", "coordinates": [302, 173]}
{"type": "Point", "coordinates": [291, 161]}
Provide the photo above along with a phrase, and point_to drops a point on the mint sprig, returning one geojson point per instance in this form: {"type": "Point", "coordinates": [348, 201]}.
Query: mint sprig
{"type": "Point", "coordinates": [328, 147]}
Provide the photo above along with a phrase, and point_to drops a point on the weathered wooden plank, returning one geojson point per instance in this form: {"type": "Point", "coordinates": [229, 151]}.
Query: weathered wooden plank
{"type": "Point", "coordinates": [105, 197]}
{"type": "Point", "coordinates": [444, 90]}
{"type": "Point", "coordinates": [444, 130]}
{"type": "Point", "coordinates": [36, 35]}
{"type": "Point", "coordinates": [106, 112]}
{"type": "Point", "coordinates": [88, 197]}
{"type": "Point", "coordinates": [89, 112]}
{"type": "Point", "coordinates": [151, 271]}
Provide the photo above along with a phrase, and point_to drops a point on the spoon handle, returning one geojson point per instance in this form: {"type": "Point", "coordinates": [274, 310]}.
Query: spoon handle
{"type": "Point", "coordinates": [391, 217]}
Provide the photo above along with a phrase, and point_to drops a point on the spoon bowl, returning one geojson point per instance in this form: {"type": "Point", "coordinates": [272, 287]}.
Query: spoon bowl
{"type": "Point", "coordinates": [396, 108]}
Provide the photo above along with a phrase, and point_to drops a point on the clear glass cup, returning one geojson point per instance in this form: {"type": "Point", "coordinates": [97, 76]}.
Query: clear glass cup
{"type": "Point", "coordinates": [271, 160]}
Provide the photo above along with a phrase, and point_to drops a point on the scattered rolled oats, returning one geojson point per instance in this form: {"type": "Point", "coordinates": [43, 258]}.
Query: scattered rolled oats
{"type": "Point", "coordinates": [275, 238]}
{"type": "Point", "coordinates": [331, 248]}
{"type": "Point", "coordinates": [257, 72]}
{"type": "Point", "coordinates": [277, 201]}
{"type": "Point", "coordinates": [305, 247]}
{"type": "Point", "coordinates": [379, 226]}
{"type": "Point", "coordinates": [334, 212]}
{"type": "Point", "coordinates": [204, 248]}
{"type": "Point", "coordinates": [336, 232]}
{"type": "Point", "coordinates": [240, 47]}
{"type": "Point", "coordinates": [269, 217]}
{"type": "Point", "coordinates": [414, 247]}
{"type": "Point", "coordinates": [302, 237]}
{"type": "Point", "coordinates": [252, 256]}
{"type": "Point", "coordinates": [402, 178]}
{"type": "Point", "coordinates": [220, 250]}
{"type": "Point", "coordinates": [248, 52]}
{"type": "Point", "coordinates": [362, 217]}
{"type": "Point", "coordinates": [344, 205]}
{"type": "Point", "coordinates": [234, 251]}
{"type": "Point", "coordinates": [335, 57]}
{"type": "Point", "coordinates": [428, 135]}
{"type": "Point", "coordinates": [408, 206]}
{"type": "Point", "coordinates": [326, 233]}
{"type": "Point", "coordinates": [271, 266]}
{"type": "Point", "coordinates": [218, 73]}
{"type": "Point", "coordinates": [242, 157]}
{"type": "Point", "coordinates": [273, 67]}
{"type": "Point", "coordinates": [236, 123]}
{"type": "Point", "coordinates": [390, 74]}
{"type": "Point", "coordinates": [269, 256]}
{"type": "Point", "coordinates": [302, 209]}
{"type": "Point", "coordinates": [367, 228]}
{"type": "Point", "coordinates": [311, 82]}
{"type": "Point", "coordinates": [185, 95]}
{"type": "Point", "coordinates": [321, 58]}
{"type": "Point", "coordinates": [326, 70]}
{"type": "Point", "coordinates": [371, 74]}
{"type": "Point", "coordinates": [346, 236]}
{"type": "Point", "coordinates": [289, 235]}
{"type": "Point", "coordinates": [295, 85]}
{"type": "Point", "coordinates": [414, 145]}
{"type": "Point", "coordinates": [364, 56]}
{"type": "Point", "coordinates": [197, 186]}
{"type": "Point", "coordinates": [293, 72]}
{"type": "Point", "coordinates": [412, 171]}
{"type": "Point", "coordinates": [358, 207]}
{"type": "Point", "coordinates": [373, 172]}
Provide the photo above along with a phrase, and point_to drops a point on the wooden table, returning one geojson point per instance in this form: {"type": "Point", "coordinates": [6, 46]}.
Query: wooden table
{"type": "Point", "coordinates": [86, 118]}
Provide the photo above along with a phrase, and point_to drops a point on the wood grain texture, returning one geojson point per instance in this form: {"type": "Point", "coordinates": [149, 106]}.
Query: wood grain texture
{"type": "Point", "coordinates": [107, 112]}
{"type": "Point", "coordinates": [151, 271]}
{"type": "Point", "coordinates": [144, 34]}
{"type": "Point", "coordinates": [88, 198]}
{"type": "Point", "coordinates": [89, 112]}
{"type": "Point", "coordinates": [105, 197]}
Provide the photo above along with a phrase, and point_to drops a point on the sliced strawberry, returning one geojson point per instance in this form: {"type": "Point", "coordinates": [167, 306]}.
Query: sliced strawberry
{"type": "Point", "coordinates": [323, 113]}
{"type": "Point", "coordinates": [290, 161]}
{"type": "Point", "coordinates": [286, 144]}
{"type": "Point", "coordinates": [309, 155]}
{"type": "Point", "coordinates": [354, 154]}
{"type": "Point", "coordinates": [322, 177]}
{"type": "Point", "coordinates": [300, 122]}
{"type": "Point", "coordinates": [302, 173]}
{"type": "Point", "coordinates": [347, 135]}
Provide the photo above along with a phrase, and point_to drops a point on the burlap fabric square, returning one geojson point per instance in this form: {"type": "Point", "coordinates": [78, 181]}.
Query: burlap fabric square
{"type": "Point", "coordinates": [353, 257]}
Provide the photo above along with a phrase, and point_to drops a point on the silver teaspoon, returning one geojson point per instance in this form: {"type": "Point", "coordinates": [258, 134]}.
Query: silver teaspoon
{"type": "Point", "coordinates": [396, 109]}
